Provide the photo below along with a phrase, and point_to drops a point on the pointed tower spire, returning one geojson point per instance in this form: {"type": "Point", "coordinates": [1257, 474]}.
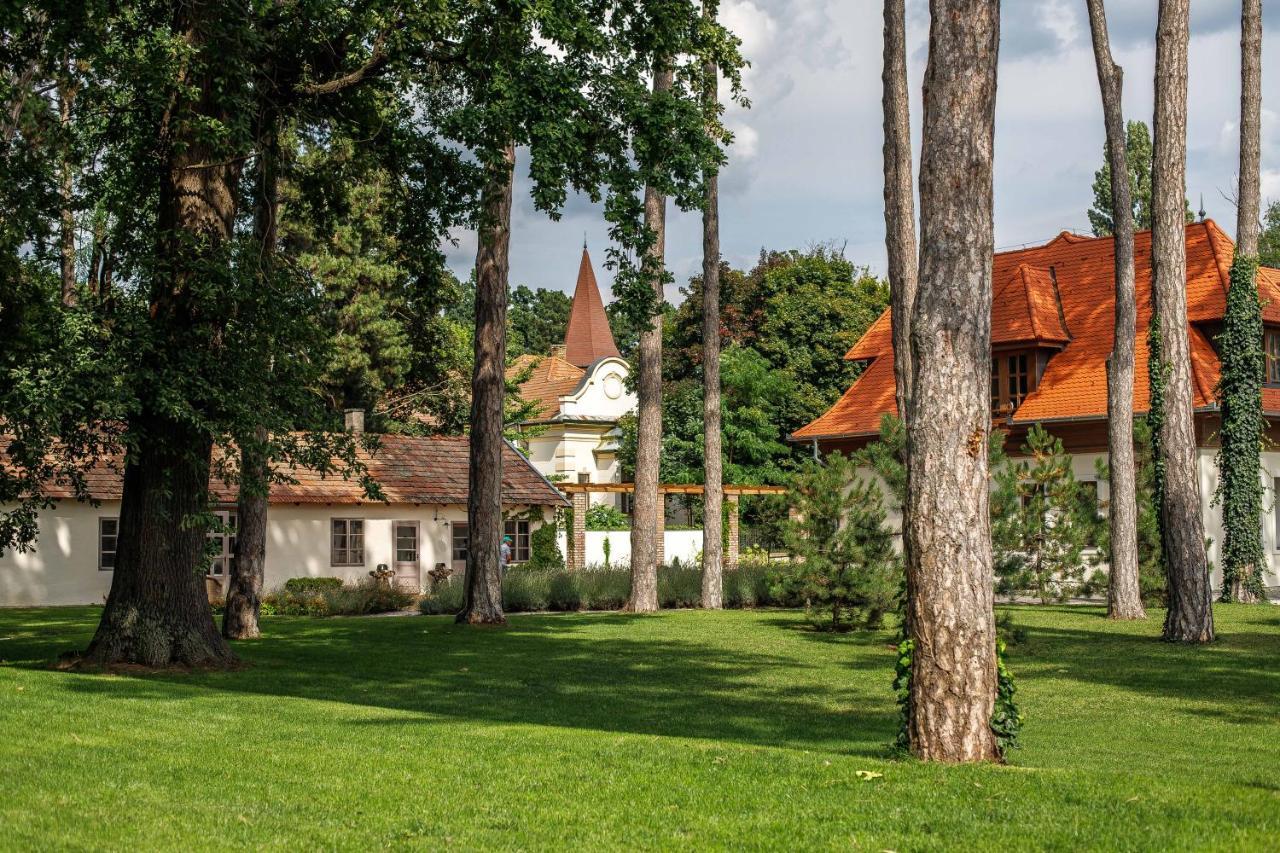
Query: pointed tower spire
{"type": "Point", "coordinates": [588, 337]}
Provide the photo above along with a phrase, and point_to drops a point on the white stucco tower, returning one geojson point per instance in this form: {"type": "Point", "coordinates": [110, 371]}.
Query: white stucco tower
{"type": "Point", "coordinates": [581, 393]}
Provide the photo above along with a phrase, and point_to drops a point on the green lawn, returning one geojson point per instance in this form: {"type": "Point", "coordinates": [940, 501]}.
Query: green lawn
{"type": "Point", "coordinates": [687, 729]}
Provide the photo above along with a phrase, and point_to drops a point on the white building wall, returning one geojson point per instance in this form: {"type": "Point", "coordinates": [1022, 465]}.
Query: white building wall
{"type": "Point", "coordinates": [684, 545]}
{"type": "Point", "coordinates": [62, 565]}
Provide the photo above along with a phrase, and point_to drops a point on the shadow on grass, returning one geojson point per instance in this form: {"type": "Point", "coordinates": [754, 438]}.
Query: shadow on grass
{"type": "Point", "coordinates": [1236, 678]}
{"type": "Point", "coordinates": [599, 671]}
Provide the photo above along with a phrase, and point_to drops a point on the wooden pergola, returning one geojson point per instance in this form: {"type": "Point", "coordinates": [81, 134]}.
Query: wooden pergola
{"type": "Point", "coordinates": [580, 496]}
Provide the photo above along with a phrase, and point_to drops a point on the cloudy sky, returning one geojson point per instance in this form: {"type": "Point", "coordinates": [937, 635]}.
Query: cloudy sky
{"type": "Point", "coordinates": [805, 167]}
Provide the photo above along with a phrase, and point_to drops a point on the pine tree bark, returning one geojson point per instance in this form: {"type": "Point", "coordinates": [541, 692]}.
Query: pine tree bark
{"type": "Point", "coordinates": [1190, 615]}
{"type": "Point", "coordinates": [483, 602]}
{"type": "Point", "coordinates": [644, 517]}
{"type": "Point", "coordinates": [157, 612]}
{"type": "Point", "coordinates": [899, 223]}
{"type": "Point", "coordinates": [713, 462]}
{"type": "Point", "coordinates": [1249, 196]}
{"type": "Point", "coordinates": [1244, 447]}
{"type": "Point", "coordinates": [950, 611]}
{"type": "Point", "coordinates": [1124, 594]}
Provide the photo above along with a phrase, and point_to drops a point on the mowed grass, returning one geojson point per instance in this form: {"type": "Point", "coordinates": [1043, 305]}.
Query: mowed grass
{"type": "Point", "coordinates": [681, 730]}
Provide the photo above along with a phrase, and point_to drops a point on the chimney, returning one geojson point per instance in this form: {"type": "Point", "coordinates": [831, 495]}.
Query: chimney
{"type": "Point", "coordinates": [353, 420]}
{"type": "Point", "coordinates": [560, 351]}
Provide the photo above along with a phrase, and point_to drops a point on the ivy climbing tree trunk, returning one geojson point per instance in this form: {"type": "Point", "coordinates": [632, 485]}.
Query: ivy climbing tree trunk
{"type": "Point", "coordinates": [1243, 361]}
{"type": "Point", "coordinates": [713, 470]}
{"type": "Point", "coordinates": [483, 603]}
{"type": "Point", "coordinates": [950, 613]}
{"type": "Point", "coordinates": [899, 222]}
{"type": "Point", "coordinates": [1190, 615]}
{"type": "Point", "coordinates": [157, 612]}
{"type": "Point", "coordinates": [1124, 593]}
{"type": "Point", "coordinates": [644, 519]}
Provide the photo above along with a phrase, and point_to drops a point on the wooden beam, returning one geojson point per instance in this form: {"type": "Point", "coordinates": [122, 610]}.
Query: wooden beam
{"type": "Point", "coordinates": [665, 488]}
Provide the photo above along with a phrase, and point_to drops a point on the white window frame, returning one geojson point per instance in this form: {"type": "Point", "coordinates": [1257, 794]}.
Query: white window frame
{"type": "Point", "coordinates": [347, 534]}
{"type": "Point", "coordinates": [518, 530]}
{"type": "Point", "coordinates": [225, 544]}
{"type": "Point", "coordinates": [114, 535]}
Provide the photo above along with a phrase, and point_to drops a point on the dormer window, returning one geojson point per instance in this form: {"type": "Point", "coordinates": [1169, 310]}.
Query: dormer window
{"type": "Point", "coordinates": [1011, 381]}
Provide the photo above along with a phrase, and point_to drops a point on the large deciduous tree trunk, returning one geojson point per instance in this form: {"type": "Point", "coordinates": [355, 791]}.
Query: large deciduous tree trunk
{"type": "Point", "coordinates": [950, 612]}
{"type": "Point", "coordinates": [247, 574]}
{"type": "Point", "coordinates": [1124, 595]}
{"type": "Point", "coordinates": [644, 519]}
{"type": "Point", "coordinates": [1243, 362]}
{"type": "Point", "coordinates": [713, 463]}
{"type": "Point", "coordinates": [157, 612]}
{"type": "Point", "coordinates": [248, 568]}
{"type": "Point", "coordinates": [899, 221]}
{"type": "Point", "coordinates": [1190, 615]}
{"type": "Point", "coordinates": [483, 604]}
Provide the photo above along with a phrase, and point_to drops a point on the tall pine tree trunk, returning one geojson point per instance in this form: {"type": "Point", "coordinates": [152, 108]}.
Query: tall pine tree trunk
{"type": "Point", "coordinates": [157, 612]}
{"type": "Point", "coordinates": [644, 518]}
{"type": "Point", "coordinates": [950, 611]}
{"type": "Point", "coordinates": [247, 574]}
{"type": "Point", "coordinates": [1124, 595]}
{"type": "Point", "coordinates": [483, 604]}
{"type": "Point", "coordinates": [713, 462]}
{"type": "Point", "coordinates": [899, 222]}
{"type": "Point", "coordinates": [1190, 615]}
{"type": "Point", "coordinates": [1243, 362]}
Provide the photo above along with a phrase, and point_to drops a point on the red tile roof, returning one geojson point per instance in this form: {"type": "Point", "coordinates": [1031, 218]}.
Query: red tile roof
{"type": "Point", "coordinates": [1077, 314]}
{"type": "Point", "coordinates": [410, 470]}
{"type": "Point", "coordinates": [550, 378]}
{"type": "Point", "coordinates": [588, 337]}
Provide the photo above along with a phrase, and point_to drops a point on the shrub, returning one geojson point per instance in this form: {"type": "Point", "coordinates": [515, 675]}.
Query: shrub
{"type": "Point", "coordinates": [606, 517]}
{"type": "Point", "coordinates": [848, 571]}
{"type": "Point", "coordinates": [525, 590]}
{"type": "Point", "coordinates": [679, 586]}
{"type": "Point", "coordinates": [303, 586]}
{"type": "Point", "coordinates": [544, 551]}
{"type": "Point", "coordinates": [367, 596]}
{"type": "Point", "coordinates": [335, 599]}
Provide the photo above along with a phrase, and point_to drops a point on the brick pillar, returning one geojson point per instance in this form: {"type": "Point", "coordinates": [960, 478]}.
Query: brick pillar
{"type": "Point", "coordinates": [577, 537]}
{"type": "Point", "coordinates": [731, 553]}
{"type": "Point", "coordinates": [662, 527]}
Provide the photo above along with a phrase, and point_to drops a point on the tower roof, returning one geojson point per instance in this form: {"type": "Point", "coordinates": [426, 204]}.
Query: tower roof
{"type": "Point", "coordinates": [588, 337]}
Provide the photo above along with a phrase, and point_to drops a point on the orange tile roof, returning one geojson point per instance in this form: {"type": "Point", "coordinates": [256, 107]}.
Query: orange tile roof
{"type": "Point", "coordinates": [1025, 308]}
{"type": "Point", "coordinates": [550, 378]}
{"type": "Point", "coordinates": [588, 337]}
{"type": "Point", "coordinates": [410, 470]}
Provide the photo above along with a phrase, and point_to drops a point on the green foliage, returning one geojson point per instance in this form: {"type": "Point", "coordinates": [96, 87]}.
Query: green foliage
{"type": "Point", "coordinates": [846, 569]}
{"type": "Point", "coordinates": [536, 320]}
{"type": "Point", "coordinates": [1269, 237]}
{"type": "Point", "coordinates": [1152, 580]}
{"type": "Point", "coordinates": [544, 550]}
{"type": "Point", "coordinates": [1239, 394]}
{"type": "Point", "coordinates": [1042, 520]}
{"type": "Point", "coordinates": [528, 590]}
{"type": "Point", "coordinates": [333, 597]}
{"type": "Point", "coordinates": [606, 516]}
{"type": "Point", "coordinates": [306, 585]}
{"type": "Point", "coordinates": [1006, 718]}
{"type": "Point", "coordinates": [1138, 151]}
